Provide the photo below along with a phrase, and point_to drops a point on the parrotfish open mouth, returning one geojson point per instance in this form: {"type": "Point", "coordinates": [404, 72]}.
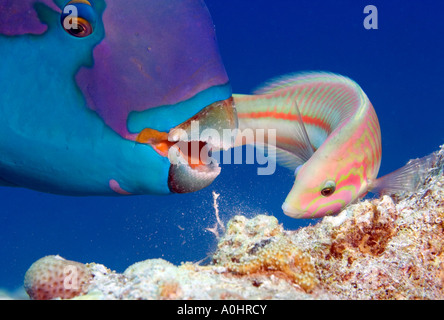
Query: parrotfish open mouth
{"type": "Point", "coordinates": [188, 146]}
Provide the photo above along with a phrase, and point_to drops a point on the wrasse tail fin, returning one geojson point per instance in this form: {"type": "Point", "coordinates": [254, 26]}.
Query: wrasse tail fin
{"type": "Point", "coordinates": [407, 178]}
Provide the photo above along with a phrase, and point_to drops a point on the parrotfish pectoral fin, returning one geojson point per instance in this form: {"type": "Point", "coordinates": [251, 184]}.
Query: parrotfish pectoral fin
{"type": "Point", "coordinates": [406, 178]}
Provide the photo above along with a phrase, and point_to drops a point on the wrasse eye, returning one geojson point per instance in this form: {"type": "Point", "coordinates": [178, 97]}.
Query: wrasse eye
{"type": "Point", "coordinates": [328, 189]}
{"type": "Point", "coordinates": [78, 18]}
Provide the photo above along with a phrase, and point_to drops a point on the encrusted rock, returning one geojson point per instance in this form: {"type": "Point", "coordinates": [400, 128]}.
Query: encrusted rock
{"type": "Point", "coordinates": [259, 247]}
{"type": "Point", "coordinates": [386, 248]}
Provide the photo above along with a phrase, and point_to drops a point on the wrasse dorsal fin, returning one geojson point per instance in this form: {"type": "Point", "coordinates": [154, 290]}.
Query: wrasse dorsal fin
{"type": "Point", "coordinates": [297, 78]}
{"type": "Point", "coordinates": [407, 178]}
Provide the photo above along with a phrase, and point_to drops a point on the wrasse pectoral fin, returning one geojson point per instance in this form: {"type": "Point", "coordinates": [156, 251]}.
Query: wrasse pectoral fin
{"type": "Point", "coordinates": [305, 150]}
{"type": "Point", "coordinates": [281, 115]}
{"type": "Point", "coordinates": [296, 155]}
{"type": "Point", "coordinates": [406, 178]}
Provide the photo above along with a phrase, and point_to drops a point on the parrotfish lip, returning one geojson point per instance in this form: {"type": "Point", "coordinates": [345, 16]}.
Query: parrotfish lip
{"type": "Point", "coordinates": [182, 178]}
{"type": "Point", "coordinates": [192, 167]}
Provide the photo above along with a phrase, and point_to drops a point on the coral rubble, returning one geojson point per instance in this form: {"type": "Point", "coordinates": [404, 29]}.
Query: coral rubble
{"type": "Point", "coordinates": [259, 247]}
{"type": "Point", "coordinates": [385, 248]}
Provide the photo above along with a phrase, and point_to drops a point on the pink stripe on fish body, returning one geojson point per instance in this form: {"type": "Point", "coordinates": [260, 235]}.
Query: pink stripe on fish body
{"type": "Point", "coordinates": [350, 180]}
{"type": "Point", "coordinates": [341, 123]}
{"type": "Point", "coordinates": [353, 161]}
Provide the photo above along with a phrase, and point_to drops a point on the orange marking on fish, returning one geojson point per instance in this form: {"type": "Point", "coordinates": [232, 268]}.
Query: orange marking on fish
{"type": "Point", "coordinates": [157, 139]}
{"type": "Point", "coordinates": [191, 151]}
{"type": "Point", "coordinates": [286, 116]}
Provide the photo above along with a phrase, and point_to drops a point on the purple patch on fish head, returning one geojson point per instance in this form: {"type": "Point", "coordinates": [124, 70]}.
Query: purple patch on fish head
{"type": "Point", "coordinates": [18, 17]}
{"type": "Point", "coordinates": [154, 53]}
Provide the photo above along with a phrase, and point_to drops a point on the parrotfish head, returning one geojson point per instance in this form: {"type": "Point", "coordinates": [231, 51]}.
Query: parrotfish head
{"type": "Point", "coordinates": [324, 185]}
{"type": "Point", "coordinates": [149, 69]}
{"type": "Point", "coordinates": [157, 68]}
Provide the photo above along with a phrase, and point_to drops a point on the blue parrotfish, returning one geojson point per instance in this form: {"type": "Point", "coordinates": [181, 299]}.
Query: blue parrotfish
{"type": "Point", "coordinates": [328, 134]}
{"type": "Point", "coordinates": [90, 91]}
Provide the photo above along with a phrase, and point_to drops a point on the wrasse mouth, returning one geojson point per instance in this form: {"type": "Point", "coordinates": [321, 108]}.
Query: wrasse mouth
{"type": "Point", "coordinates": [188, 146]}
{"type": "Point", "coordinates": [292, 212]}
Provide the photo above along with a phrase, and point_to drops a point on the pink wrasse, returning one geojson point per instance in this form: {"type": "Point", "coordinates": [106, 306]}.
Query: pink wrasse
{"type": "Point", "coordinates": [328, 133]}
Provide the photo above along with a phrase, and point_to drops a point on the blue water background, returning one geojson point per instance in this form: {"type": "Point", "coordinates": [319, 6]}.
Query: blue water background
{"type": "Point", "coordinates": [399, 66]}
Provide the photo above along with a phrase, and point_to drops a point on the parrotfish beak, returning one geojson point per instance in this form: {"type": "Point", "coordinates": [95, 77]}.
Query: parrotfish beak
{"type": "Point", "coordinates": [188, 146]}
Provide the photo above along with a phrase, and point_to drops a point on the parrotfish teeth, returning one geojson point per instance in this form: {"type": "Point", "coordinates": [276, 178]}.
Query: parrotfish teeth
{"type": "Point", "coordinates": [192, 167]}
{"type": "Point", "coordinates": [188, 146]}
{"type": "Point", "coordinates": [183, 178]}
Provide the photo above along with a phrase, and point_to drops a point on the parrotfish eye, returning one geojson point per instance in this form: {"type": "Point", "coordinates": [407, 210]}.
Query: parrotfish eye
{"type": "Point", "coordinates": [329, 188]}
{"type": "Point", "coordinates": [78, 18]}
